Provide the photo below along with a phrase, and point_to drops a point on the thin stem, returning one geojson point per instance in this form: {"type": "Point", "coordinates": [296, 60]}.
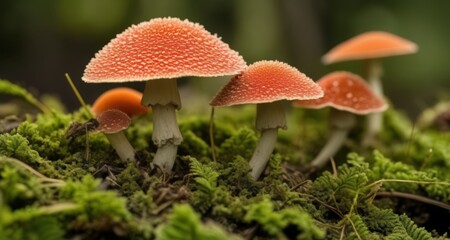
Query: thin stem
{"type": "Point", "coordinates": [374, 71]}
{"type": "Point", "coordinates": [263, 151]}
{"type": "Point", "coordinates": [122, 146]}
{"type": "Point", "coordinates": [374, 120]}
{"type": "Point", "coordinates": [211, 135]}
{"type": "Point", "coordinates": [31, 170]}
{"type": "Point", "coordinates": [340, 122]}
{"type": "Point", "coordinates": [78, 95]}
{"type": "Point", "coordinates": [381, 181]}
{"type": "Point", "coordinates": [334, 143]}
{"type": "Point", "coordinates": [415, 197]}
{"type": "Point", "coordinates": [38, 104]}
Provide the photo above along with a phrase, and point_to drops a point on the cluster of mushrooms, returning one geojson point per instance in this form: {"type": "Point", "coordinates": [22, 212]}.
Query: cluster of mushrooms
{"type": "Point", "coordinates": [163, 49]}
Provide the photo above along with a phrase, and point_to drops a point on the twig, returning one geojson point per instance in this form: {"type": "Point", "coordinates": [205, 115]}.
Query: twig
{"type": "Point", "coordinates": [78, 95]}
{"type": "Point", "coordinates": [415, 197]}
{"type": "Point", "coordinates": [32, 171]}
{"type": "Point", "coordinates": [406, 181]}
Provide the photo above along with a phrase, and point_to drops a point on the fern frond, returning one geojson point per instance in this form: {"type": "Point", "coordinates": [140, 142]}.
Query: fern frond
{"type": "Point", "coordinates": [415, 232]}
{"type": "Point", "coordinates": [358, 228]}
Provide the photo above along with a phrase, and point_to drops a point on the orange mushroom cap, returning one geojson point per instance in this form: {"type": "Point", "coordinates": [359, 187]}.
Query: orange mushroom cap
{"type": "Point", "coordinates": [368, 45]}
{"type": "Point", "coordinates": [113, 121]}
{"type": "Point", "coordinates": [348, 92]}
{"type": "Point", "coordinates": [163, 48]}
{"type": "Point", "coordinates": [124, 99]}
{"type": "Point", "coordinates": [267, 81]}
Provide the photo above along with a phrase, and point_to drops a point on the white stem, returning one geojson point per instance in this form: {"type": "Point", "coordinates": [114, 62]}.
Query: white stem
{"type": "Point", "coordinates": [161, 91]}
{"type": "Point", "coordinates": [164, 98]}
{"type": "Point", "coordinates": [270, 115]}
{"type": "Point", "coordinates": [374, 120]}
{"type": "Point", "coordinates": [340, 123]}
{"type": "Point", "coordinates": [122, 146]}
{"type": "Point", "coordinates": [165, 157]}
{"type": "Point", "coordinates": [263, 151]}
{"type": "Point", "coordinates": [374, 73]}
{"type": "Point", "coordinates": [334, 143]}
{"type": "Point", "coordinates": [165, 126]}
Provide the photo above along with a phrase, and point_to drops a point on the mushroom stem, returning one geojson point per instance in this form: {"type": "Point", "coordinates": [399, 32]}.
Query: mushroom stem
{"type": "Point", "coordinates": [263, 151]}
{"type": "Point", "coordinates": [122, 146]}
{"type": "Point", "coordinates": [374, 120]}
{"type": "Point", "coordinates": [269, 117]}
{"type": "Point", "coordinates": [374, 73]}
{"type": "Point", "coordinates": [340, 122]}
{"type": "Point", "coordinates": [164, 98]}
{"type": "Point", "coordinates": [165, 157]}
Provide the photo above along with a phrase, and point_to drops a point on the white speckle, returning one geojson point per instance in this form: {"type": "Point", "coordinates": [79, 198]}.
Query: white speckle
{"type": "Point", "coordinates": [335, 83]}
{"type": "Point", "coordinates": [349, 95]}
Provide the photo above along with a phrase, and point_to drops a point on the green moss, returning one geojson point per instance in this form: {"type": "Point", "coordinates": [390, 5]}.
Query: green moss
{"type": "Point", "coordinates": [130, 200]}
{"type": "Point", "coordinates": [185, 224]}
{"type": "Point", "coordinates": [275, 223]}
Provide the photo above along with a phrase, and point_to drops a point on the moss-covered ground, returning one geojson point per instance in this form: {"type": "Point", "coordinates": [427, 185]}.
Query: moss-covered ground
{"type": "Point", "coordinates": [55, 186]}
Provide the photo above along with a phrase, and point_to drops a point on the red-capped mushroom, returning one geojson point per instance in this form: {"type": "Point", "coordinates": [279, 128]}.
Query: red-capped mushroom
{"type": "Point", "coordinates": [124, 99]}
{"type": "Point", "coordinates": [161, 50]}
{"type": "Point", "coordinates": [112, 123]}
{"type": "Point", "coordinates": [347, 94]}
{"type": "Point", "coordinates": [267, 84]}
{"type": "Point", "coordinates": [371, 47]}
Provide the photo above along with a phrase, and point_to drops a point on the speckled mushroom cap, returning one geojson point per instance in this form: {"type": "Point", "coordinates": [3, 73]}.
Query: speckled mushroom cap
{"type": "Point", "coordinates": [124, 99]}
{"type": "Point", "coordinates": [368, 45]}
{"type": "Point", "coordinates": [163, 48]}
{"type": "Point", "coordinates": [267, 81]}
{"type": "Point", "coordinates": [348, 92]}
{"type": "Point", "coordinates": [113, 121]}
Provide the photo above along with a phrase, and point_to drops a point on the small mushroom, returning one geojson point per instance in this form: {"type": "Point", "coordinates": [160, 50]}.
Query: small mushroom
{"type": "Point", "coordinates": [347, 94]}
{"type": "Point", "coordinates": [267, 84]}
{"type": "Point", "coordinates": [159, 51]}
{"type": "Point", "coordinates": [124, 99]}
{"type": "Point", "coordinates": [112, 123]}
{"type": "Point", "coordinates": [116, 102]}
{"type": "Point", "coordinates": [371, 47]}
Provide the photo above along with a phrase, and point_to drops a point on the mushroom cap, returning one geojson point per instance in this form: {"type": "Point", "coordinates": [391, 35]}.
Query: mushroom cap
{"type": "Point", "coordinates": [375, 44]}
{"type": "Point", "coordinates": [113, 121]}
{"type": "Point", "coordinates": [267, 81]}
{"type": "Point", "coordinates": [163, 48]}
{"type": "Point", "coordinates": [347, 92]}
{"type": "Point", "coordinates": [124, 99]}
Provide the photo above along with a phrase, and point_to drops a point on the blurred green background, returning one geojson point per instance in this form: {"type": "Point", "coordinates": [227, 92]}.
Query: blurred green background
{"type": "Point", "coordinates": [42, 39]}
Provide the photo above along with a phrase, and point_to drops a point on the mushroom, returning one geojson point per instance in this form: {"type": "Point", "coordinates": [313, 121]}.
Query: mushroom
{"type": "Point", "coordinates": [371, 47]}
{"type": "Point", "coordinates": [267, 84]}
{"type": "Point", "coordinates": [159, 51]}
{"type": "Point", "coordinates": [124, 99]}
{"type": "Point", "coordinates": [347, 94]}
{"type": "Point", "coordinates": [112, 122]}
